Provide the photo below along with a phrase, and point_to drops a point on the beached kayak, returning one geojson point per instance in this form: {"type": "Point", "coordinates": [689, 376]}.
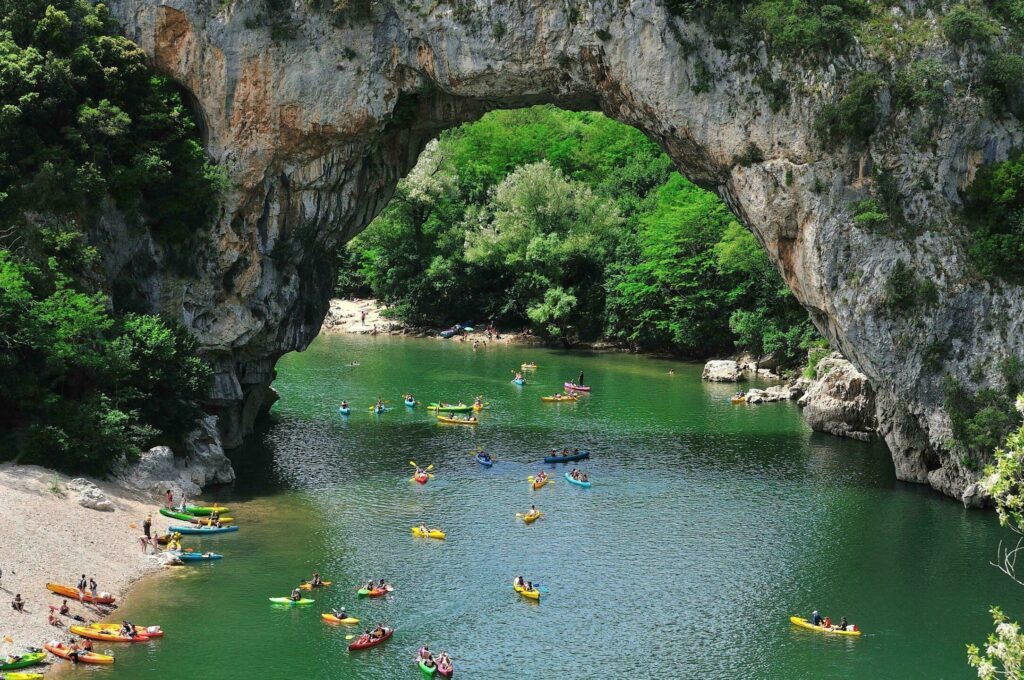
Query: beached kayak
{"type": "Point", "coordinates": [456, 421]}
{"type": "Point", "coordinates": [204, 510]}
{"type": "Point", "coordinates": [531, 594]}
{"type": "Point", "coordinates": [530, 519]}
{"type": "Point", "coordinates": [107, 636]}
{"type": "Point", "coordinates": [290, 601]}
{"type": "Point", "coordinates": [538, 483]}
{"type": "Point", "coordinates": [576, 388]}
{"type": "Point", "coordinates": [24, 676]}
{"type": "Point", "coordinates": [309, 586]}
{"type": "Point", "coordinates": [450, 408]}
{"type": "Point", "coordinates": [185, 517]}
{"type": "Point", "coordinates": [804, 623]}
{"type": "Point", "coordinates": [571, 480]}
{"type": "Point", "coordinates": [487, 462]}
{"type": "Point", "coordinates": [360, 643]}
{"type": "Point", "coordinates": [376, 592]}
{"type": "Point", "coordinates": [331, 618]}
{"type": "Point", "coordinates": [582, 455]}
{"type": "Point", "coordinates": [63, 651]}
{"type": "Point", "coordinates": [433, 533]}
{"type": "Point", "coordinates": [428, 671]}
{"type": "Point", "coordinates": [201, 530]}
{"type": "Point", "coordinates": [26, 660]}
{"type": "Point", "coordinates": [68, 591]}
{"type": "Point", "coordinates": [344, 410]}
{"type": "Point", "coordinates": [561, 398]}
{"type": "Point", "coordinates": [199, 557]}
{"type": "Point", "coordinates": [149, 631]}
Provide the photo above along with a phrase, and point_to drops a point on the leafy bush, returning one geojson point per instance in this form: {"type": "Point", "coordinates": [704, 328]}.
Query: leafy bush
{"type": "Point", "coordinates": [962, 24]}
{"type": "Point", "coordinates": [867, 213]}
{"type": "Point", "coordinates": [994, 213]}
{"type": "Point", "coordinates": [905, 292]}
{"type": "Point", "coordinates": [982, 421]}
{"type": "Point", "coordinates": [920, 85]}
{"type": "Point", "coordinates": [1001, 82]}
{"type": "Point", "coordinates": [853, 118]}
{"type": "Point", "coordinates": [805, 27]}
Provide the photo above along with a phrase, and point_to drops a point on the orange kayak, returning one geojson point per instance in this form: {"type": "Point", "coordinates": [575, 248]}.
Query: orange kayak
{"type": "Point", "coordinates": [68, 591]}
{"type": "Point", "coordinates": [538, 483]}
{"type": "Point", "coordinates": [64, 652]}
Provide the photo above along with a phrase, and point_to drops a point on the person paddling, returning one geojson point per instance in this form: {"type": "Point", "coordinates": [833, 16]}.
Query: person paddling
{"type": "Point", "coordinates": [816, 619]}
{"type": "Point", "coordinates": [296, 595]}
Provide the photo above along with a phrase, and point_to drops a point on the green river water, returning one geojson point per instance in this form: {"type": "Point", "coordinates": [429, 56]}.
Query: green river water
{"type": "Point", "coordinates": [707, 526]}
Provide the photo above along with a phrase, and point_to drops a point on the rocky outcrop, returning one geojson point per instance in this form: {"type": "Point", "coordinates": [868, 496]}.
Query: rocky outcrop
{"type": "Point", "coordinates": [840, 401]}
{"type": "Point", "coordinates": [89, 495]}
{"type": "Point", "coordinates": [360, 317]}
{"type": "Point", "coordinates": [789, 391]}
{"type": "Point", "coordinates": [316, 127]}
{"type": "Point", "coordinates": [721, 370]}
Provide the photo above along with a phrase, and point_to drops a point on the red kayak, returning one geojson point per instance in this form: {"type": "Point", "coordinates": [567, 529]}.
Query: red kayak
{"type": "Point", "coordinates": [445, 672]}
{"type": "Point", "coordinates": [422, 479]}
{"type": "Point", "coordinates": [357, 644]}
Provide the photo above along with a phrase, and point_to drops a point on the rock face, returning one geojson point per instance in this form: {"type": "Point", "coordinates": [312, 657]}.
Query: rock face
{"type": "Point", "coordinates": [793, 390]}
{"type": "Point", "coordinates": [90, 496]}
{"type": "Point", "coordinates": [840, 401]}
{"type": "Point", "coordinates": [314, 130]}
{"type": "Point", "coordinates": [721, 370]}
{"type": "Point", "coordinates": [358, 316]}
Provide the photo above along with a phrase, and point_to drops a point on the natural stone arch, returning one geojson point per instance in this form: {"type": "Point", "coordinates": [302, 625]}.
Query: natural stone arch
{"type": "Point", "coordinates": [316, 130]}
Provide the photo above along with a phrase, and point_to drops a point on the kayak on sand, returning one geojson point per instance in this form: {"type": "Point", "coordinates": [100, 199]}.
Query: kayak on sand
{"type": "Point", "coordinates": [105, 636]}
{"type": "Point", "coordinates": [63, 651]}
{"type": "Point", "coordinates": [185, 517]}
{"type": "Point", "coordinates": [203, 510]}
{"type": "Point", "coordinates": [23, 676]}
{"type": "Point", "coordinates": [149, 631]}
{"type": "Point", "coordinates": [200, 530]}
{"type": "Point", "coordinates": [25, 661]}
{"type": "Point", "coordinates": [362, 643]}
{"type": "Point", "coordinates": [573, 480]}
{"type": "Point", "coordinates": [804, 623]}
{"type": "Point", "coordinates": [68, 591]}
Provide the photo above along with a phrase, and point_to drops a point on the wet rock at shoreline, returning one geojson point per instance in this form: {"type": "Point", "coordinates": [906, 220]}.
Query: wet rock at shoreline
{"type": "Point", "coordinates": [721, 370]}
{"type": "Point", "coordinates": [840, 401]}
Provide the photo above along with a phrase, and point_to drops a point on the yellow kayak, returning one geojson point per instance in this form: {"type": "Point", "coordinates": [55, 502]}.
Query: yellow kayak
{"type": "Point", "coordinates": [331, 618]}
{"type": "Point", "coordinates": [455, 421]}
{"type": "Point", "coordinates": [738, 400]}
{"type": "Point", "coordinates": [562, 398]}
{"type": "Point", "coordinates": [529, 519]}
{"type": "Point", "coordinates": [532, 594]}
{"type": "Point", "coordinates": [23, 676]}
{"type": "Point", "coordinates": [804, 623]}
{"type": "Point", "coordinates": [539, 483]}
{"type": "Point", "coordinates": [309, 586]}
{"type": "Point", "coordinates": [433, 533]}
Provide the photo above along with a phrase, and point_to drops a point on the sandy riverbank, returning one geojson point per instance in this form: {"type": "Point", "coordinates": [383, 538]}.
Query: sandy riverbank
{"type": "Point", "coordinates": [49, 537]}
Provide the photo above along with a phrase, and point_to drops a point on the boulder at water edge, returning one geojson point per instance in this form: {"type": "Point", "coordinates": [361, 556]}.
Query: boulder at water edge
{"type": "Point", "coordinates": [721, 370]}
{"type": "Point", "coordinates": [840, 401]}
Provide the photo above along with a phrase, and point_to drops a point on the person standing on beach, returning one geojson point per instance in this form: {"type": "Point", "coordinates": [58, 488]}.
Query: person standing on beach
{"type": "Point", "coordinates": [147, 525]}
{"type": "Point", "coordinates": [82, 583]}
{"type": "Point", "coordinates": [93, 586]}
{"type": "Point", "coordinates": [170, 500]}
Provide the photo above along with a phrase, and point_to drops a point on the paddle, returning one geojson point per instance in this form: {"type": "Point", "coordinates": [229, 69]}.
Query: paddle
{"type": "Point", "coordinates": [531, 480]}
{"type": "Point", "coordinates": [426, 469]}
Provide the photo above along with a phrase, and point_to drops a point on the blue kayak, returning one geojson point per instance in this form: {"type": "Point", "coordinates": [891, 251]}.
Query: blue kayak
{"type": "Point", "coordinates": [200, 531]}
{"type": "Point", "coordinates": [198, 557]}
{"type": "Point", "coordinates": [582, 455]}
{"type": "Point", "coordinates": [344, 411]}
{"type": "Point", "coordinates": [410, 402]}
{"type": "Point", "coordinates": [519, 381]}
{"type": "Point", "coordinates": [484, 461]}
{"type": "Point", "coordinates": [569, 478]}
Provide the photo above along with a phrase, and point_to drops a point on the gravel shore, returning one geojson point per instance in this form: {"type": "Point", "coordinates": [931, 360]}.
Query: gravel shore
{"type": "Point", "coordinates": [48, 537]}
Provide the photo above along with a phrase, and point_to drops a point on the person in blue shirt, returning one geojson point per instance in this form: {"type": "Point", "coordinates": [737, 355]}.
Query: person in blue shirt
{"type": "Point", "coordinates": [816, 618]}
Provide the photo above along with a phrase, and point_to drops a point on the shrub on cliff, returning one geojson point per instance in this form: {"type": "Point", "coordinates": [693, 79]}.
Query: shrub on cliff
{"type": "Point", "coordinates": [994, 213]}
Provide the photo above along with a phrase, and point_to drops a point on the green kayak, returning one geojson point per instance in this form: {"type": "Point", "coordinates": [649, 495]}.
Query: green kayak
{"type": "Point", "coordinates": [428, 671]}
{"type": "Point", "coordinates": [25, 661]}
{"type": "Point", "coordinates": [203, 510]}
{"type": "Point", "coordinates": [184, 517]}
{"type": "Point", "coordinates": [288, 600]}
{"type": "Point", "coordinates": [450, 408]}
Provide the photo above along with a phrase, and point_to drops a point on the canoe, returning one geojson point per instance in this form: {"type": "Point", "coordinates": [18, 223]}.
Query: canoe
{"type": "Point", "coordinates": [376, 592]}
{"type": "Point", "coordinates": [738, 400]}
{"type": "Point", "coordinates": [450, 408]}
{"type": "Point", "coordinates": [185, 517]}
{"type": "Point", "coordinates": [433, 533]}
{"type": "Point", "coordinates": [531, 594]}
{"type": "Point", "coordinates": [25, 661]}
{"type": "Point", "coordinates": [309, 586]}
{"type": "Point", "coordinates": [24, 676]}
{"type": "Point", "coordinates": [804, 623]}
{"type": "Point", "coordinates": [576, 388]}
{"type": "Point", "coordinates": [428, 671]}
{"type": "Point", "coordinates": [344, 411]}
{"type": "Point", "coordinates": [557, 399]}
{"type": "Point", "coordinates": [63, 651]}
{"type": "Point", "coordinates": [487, 462]}
{"type": "Point", "coordinates": [530, 519]}
{"type": "Point", "coordinates": [569, 478]}
{"type": "Point", "coordinates": [199, 557]}
{"type": "Point", "coordinates": [410, 402]}
{"type": "Point", "coordinates": [519, 381]}
{"type": "Point", "coordinates": [289, 601]}
{"type": "Point", "coordinates": [420, 479]}
{"type": "Point", "coordinates": [539, 483]}
{"type": "Point", "coordinates": [357, 644]}
{"type": "Point", "coordinates": [456, 421]}
{"type": "Point", "coordinates": [199, 530]}
{"type": "Point", "coordinates": [582, 455]}
{"type": "Point", "coordinates": [331, 618]}
{"type": "Point", "coordinates": [149, 631]}
{"type": "Point", "coordinates": [68, 591]}
{"type": "Point", "coordinates": [104, 636]}
{"type": "Point", "coordinates": [204, 510]}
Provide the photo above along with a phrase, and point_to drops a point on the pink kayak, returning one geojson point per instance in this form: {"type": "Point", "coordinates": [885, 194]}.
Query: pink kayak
{"type": "Point", "coordinates": [576, 388]}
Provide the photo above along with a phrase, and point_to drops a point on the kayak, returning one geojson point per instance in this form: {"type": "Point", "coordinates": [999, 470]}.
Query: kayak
{"type": "Point", "coordinates": [377, 411]}
{"type": "Point", "coordinates": [203, 510]}
{"type": "Point", "coordinates": [290, 601]}
{"type": "Point", "coordinates": [68, 591]}
{"type": "Point", "coordinates": [428, 671]}
{"type": "Point", "coordinates": [344, 410]}
{"type": "Point", "coordinates": [576, 388]}
{"type": "Point", "coordinates": [539, 483]}
{"type": "Point", "coordinates": [528, 367]}
{"type": "Point", "coordinates": [104, 636]}
{"type": "Point", "coordinates": [376, 592]}
{"type": "Point", "coordinates": [366, 644]}
{"type": "Point", "coordinates": [185, 517]}
{"type": "Point", "coordinates": [556, 399]}
{"type": "Point", "coordinates": [24, 676]}
{"type": "Point", "coordinates": [433, 533]}
{"type": "Point", "coordinates": [148, 631]}
{"type": "Point", "coordinates": [481, 407]}
{"type": "Point", "coordinates": [530, 519]}
{"type": "Point", "coordinates": [519, 381]}
{"type": "Point", "coordinates": [445, 671]}
{"type": "Point", "coordinates": [199, 530]}
{"type": "Point", "coordinates": [531, 594]}
{"type": "Point", "coordinates": [25, 661]}
{"type": "Point", "coordinates": [331, 618]}
{"type": "Point", "coordinates": [63, 651]}
{"type": "Point", "coordinates": [447, 334]}
{"type": "Point", "coordinates": [420, 479]}
{"type": "Point", "coordinates": [410, 402]}
{"type": "Point", "coordinates": [582, 455]}
{"type": "Point", "coordinates": [199, 557]}
{"type": "Point", "coordinates": [450, 408]}
{"type": "Point", "coordinates": [572, 480]}
{"type": "Point", "coordinates": [804, 623]}
{"type": "Point", "coordinates": [738, 400]}
{"type": "Point", "coordinates": [487, 462]}
{"type": "Point", "coordinates": [455, 421]}
{"type": "Point", "coordinates": [309, 586]}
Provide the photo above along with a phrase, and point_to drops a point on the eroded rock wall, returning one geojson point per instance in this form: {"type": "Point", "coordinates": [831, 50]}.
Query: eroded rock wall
{"type": "Point", "coordinates": [316, 130]}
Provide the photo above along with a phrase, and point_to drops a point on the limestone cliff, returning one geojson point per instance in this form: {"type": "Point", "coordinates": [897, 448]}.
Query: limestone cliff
{"type": "Point", "coordinates": [315, 127]}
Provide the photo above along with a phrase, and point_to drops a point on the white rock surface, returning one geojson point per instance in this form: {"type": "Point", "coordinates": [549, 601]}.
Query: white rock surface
{"type": "Point", "coordinates": [721, 370]}
{"type": "Point", "coordinates": [840, 401]}
{"type": "Point", "coordinates": [89, 495]}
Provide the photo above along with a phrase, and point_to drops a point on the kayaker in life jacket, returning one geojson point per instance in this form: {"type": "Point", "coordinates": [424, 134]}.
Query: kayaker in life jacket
{"type": "Point", "coordinates": [843, 624]}
{"type": "Point", "coordinates": [816, 618]}
{"type": "Point", "coordinates": [382, 586]}
{"type": "Point", "coordinates": [827, 622]}
{"type": "Point", "coordinates": [424, 529]}
{"type": "Point", "coordinates": [519, 582]}
{"type": "Point", "coordinates": [340, 613]}
{"type": "Point", "coordinates": [443, 660]}
{"type": "Point", "coordinates": [296, 595]}
{"type": "Point", "coordinates": [371, 586]}
{"type": "Point", "coordinates": [316, 581]}
{"type": "Point", "coordinates": [344, 404]}
{"type": "Point", "coordinates": [424, 652]}
{"type": "Point", "coordinates": [378, 632]}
